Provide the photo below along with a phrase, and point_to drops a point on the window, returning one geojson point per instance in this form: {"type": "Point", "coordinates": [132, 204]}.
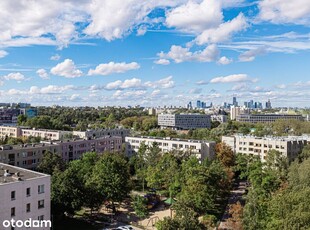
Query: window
{"type": "Point", "coordinates": [13, 195]}
{"type": "Point", "coordinates": [28, 192]}
{"type": "Point", "coordinates": [12, 212]}
{"type": "Point", "coordinates": [41, 204]}
{"type": "Point", "coordinates": [28, 207]}
{"type": "Point", "coordinates": [40, 218]}
{"type": "Point", "coordinates": [41, 189]}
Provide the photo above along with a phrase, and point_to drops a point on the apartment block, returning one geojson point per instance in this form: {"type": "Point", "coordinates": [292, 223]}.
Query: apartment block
{"type": "Point", "coordinates": [91, 133]}
{"type": "Point", "coordinates": [184, 121]}
{"type": "Point", "coordinates": [290, 147]}
{"type": "Point", "coordinates": [45, 134]}
{"type": "Point", "coordinates": [24, 195]}
{"type": "Point", "coordinates": [10, 131]}
{"type": "Point", "coordinates": [267, 118]}
{"type": "Point", "coordinates": [29, 156]}
{"type": "Point", "coordinates": [201, 149]}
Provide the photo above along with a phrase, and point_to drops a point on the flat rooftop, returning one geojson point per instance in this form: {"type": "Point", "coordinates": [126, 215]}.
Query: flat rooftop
{"type": "Point", "coordinates": [171, 139]}
{"type": "Point", "coordinates": [10, 174]}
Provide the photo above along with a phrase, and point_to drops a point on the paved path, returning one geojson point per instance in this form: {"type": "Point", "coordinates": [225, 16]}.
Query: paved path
{"type": "Point", "coordinates": [235, 196]}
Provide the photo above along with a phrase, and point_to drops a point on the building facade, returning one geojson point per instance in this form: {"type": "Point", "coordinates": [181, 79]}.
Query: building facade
{"type": "Point", "coordinates": [201, 149]}
{"type": "Point", "coordinates": [267, 118]}
{"type": "Point", "coordinates": [289, 147]}
{"type": "Point", "coordinates": [29, 156]}
{"type": "Point", "coordinates": [184, 121]}
{"type": "Point", "coordinates": [91, 133]}
{"type": "Point", "coordinates": [45, 134]}
{"type": "Point", "coordinates": [10, 131]}
{"type": "Point", "coordinates": [219, 117]}
{"type": "Point", "coordinates": [24, 195]}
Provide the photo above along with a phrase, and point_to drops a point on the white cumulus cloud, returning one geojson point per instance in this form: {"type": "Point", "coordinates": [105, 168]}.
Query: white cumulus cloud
{"type": "Point", "coordinates": [285, 11]}
{"type": "Point", "coordinates": [3, 53]}
{"type": "Point", "coordinates": [224, 61]}
{"type": "Point", "coordinates": [112, 67]}
{"type": "Point", "coordinates": [162, 61]}
{"type": "Point", "coordinates": [14, 76]}
{"type": "Point", "coordinates": [195, 17]}
{"type": "Point", "coordinates": [232, 79]}
{"type": "Point", "coordinates": [223, 32]}
{"type": "Point", "coordinates": [66, 69]}
{"type": "Point", "coordinates": [42, 74]}
{"type": "Point", "coordinates": [182, 54]}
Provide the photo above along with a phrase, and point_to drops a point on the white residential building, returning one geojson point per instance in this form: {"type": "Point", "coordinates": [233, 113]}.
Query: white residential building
{"type": "Point", "coordinates": [29, 156]}
{"type": "Point", "coordinates": [266, 118]}
{"type": "Point", "coordinates": [95, 133]}
{"type": "Point", "coordinates": [45, 134]}
{"type": "Point", "coordinates": [290, 146]}
{"type": "Point", "coordinates": [184, 121]}
{"type": "Point", "coordinates": [24, 195]}
{"type": "Point", "coordinates": [201, 149]}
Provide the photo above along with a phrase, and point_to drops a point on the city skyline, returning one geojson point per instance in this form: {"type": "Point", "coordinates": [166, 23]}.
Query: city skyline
{"type": "Point", "coordinates": [152, 53]}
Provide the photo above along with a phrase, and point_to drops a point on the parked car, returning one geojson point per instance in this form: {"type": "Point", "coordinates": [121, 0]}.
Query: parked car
{"type": "Point", "coordinates": [127, 227]}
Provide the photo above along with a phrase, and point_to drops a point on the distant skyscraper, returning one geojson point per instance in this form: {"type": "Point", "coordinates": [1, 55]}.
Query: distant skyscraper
{"type": "Point", "coordinates": [198, 105]}
{"type": "Point", "coordinates": [189, 105]}
{"type": "Point", "coordinates": [235, 103]}
{"type": "Point", "coordinates": [268, 104]}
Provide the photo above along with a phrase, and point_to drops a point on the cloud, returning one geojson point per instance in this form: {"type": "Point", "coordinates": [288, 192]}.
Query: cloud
{"type": "Point", "coordinates": [113, 19]}
{"type": "Point", "coordinates": [281, 86]}
{"type": "Point", "coordinates": [195, 91]}
{"type": "Point", "coordinates": [3, 53]}
{"type": "Point", "coordinates": [55, 57]}
{"type": "Point", "coordinates": [121, 95]}
{"type": "Point", "coordinates": [285, 11]}
{"type": "Point", "coordinates": [66, 69]}
{"type": "Point", "coordinates": [180, 54]}
{"type": "Point", "coordinates": [232, 79]}
{"type": "Point", "coordinates": [155, 93]}
{"type": "Point", "coordinates": [112, 67]}
{"type": "Point", "coordinates": [35, 90]}
{"type": "Point", "coordinates": [14, 76]}
{"type": "Point", "coordinates": [75, 97]}
{"type": "Point", "coordinates": [195, 17]}
{"type": "Point", "coordinates": [224, 61]}
{"type": "Point", "coordinates": [164, 83]}
{"type": "Point", "coordinates": [1, 83]}
{"type": "Point", "coordinates": [202, 82]}
{"type": "Point", "coordinates": [129, 83]}
{"type": "Point", "coordinates": [162, 62]}
{"type": "Point", "coordinates": [136, 83]}
{"type": "Point", "coordinates": [250, 55]}
{"type": "Point", "coordinates": [42, 74]}
{"type": "Point", "coordinates": [223, 32]}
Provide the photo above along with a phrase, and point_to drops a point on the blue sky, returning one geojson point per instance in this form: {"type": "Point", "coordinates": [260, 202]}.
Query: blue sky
{"type": "Point", "coordinates": [163, 52]}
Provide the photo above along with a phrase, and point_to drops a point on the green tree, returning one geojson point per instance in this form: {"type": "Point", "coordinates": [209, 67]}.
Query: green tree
{"type": "Point", "coordinates": [51, 162]}
{"type": "Point", "coordinates": [111, 176]}
{"type": "Point", "coordinates": [140, 206]}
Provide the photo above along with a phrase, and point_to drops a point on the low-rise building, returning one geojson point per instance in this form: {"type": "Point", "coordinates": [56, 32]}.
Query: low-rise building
{"type": "Point", "coordinates": [24, 196]}
{"type": "Point", "coordinates": [91, 133]}
{"type": "Point", "coordinates": [219, 117]}
{"type": "Point", "coordinates": [29, 156]}
{"type": "Point", "coordinates": [201, 149]}
{"type": "Point", "coordinates": [290, 146]}
{"type": "Point", "coordinates": [267, 118]}
{"type": "Point", "coordinates": [184, 121]}
{"type": "Point", "coordinates": [9, 131]}
{"type": "Point", "coordinates": [45, 134]}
